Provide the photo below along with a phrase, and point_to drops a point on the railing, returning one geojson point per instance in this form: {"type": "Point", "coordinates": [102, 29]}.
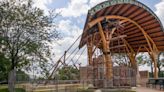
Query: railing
{"type": "Point", "coordinates": [31, 85]}
{"type": "Point", "coordinates": [152, 82]}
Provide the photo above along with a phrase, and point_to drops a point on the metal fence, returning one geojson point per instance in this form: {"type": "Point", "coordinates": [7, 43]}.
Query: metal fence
{"type": "Point", "coordinates": [38, 85]}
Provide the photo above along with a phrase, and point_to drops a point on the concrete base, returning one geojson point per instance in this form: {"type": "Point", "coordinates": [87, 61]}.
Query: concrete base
{"type": "Point", "coordinates": [117, 90]}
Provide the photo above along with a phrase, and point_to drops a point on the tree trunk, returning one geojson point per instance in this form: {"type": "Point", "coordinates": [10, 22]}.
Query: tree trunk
{"type": "Point", "coordinates": [11, 80]}
{"type": "Point", "coordinates": [12, 77]}
{"type": "Point", "coordinates": [12, 65]}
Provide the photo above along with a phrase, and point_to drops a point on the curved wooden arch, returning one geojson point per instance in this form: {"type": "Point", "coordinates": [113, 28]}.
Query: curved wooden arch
{"type": "Point", "coordinates": [147, 37]}
{"type": "Point", "coordinates": [153, 48]}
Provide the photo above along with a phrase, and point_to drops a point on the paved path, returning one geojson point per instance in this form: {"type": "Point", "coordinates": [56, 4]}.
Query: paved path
{"type": "Point", "coordinates": [142, 89]}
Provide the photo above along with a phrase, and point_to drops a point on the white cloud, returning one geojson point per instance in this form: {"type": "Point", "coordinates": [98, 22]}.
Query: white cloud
{"type": "Point", "coordinates": [75, 8]}
{"type": "Point", "coordinates": [95, 2]}
{"type": "Point", "coordinates": [70, 33]}
{"type": "Point", "coordinates": [42, 4]}
{"type": "Point", "coordinates": [160, 10]}
{"type": "Point", "coordinates": [78, 8]}
{"type": "Point", "coordinates": [68, 28]}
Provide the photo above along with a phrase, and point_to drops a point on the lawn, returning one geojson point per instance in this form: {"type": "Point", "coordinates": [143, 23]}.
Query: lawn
{"type": "Point", "coordinates": [4, 88]}
{"type": "Point", "coordinates": [16, 90]}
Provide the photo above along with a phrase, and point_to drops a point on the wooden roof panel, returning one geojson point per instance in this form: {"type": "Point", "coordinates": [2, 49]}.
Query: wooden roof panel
{"type": "Point", "coordinates": [130, 11]}
{"type": "Point", "coordinates": [124, 9]}
{"type": "Point", "coordinates": [108, 10]}
{"type": "Point", "coordinates": [137, 12]}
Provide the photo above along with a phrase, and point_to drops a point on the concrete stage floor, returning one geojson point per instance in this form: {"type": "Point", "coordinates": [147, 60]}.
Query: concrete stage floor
{"type": "Point", "coordinates": [144, 89]}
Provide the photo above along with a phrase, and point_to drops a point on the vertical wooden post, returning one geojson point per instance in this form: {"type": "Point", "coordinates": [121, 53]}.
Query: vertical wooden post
{"type": "Point", "coordinates": [155, 60]}
{"type": "Point", "coordinates": [154, 54]}
{"type": "Point", "coordinates": [89, 47]}
{"type": "Point", "coordinates": [106, 51]}
{"type": "Point", "coordinates": [131, 54]}
{"type": "Point", "coordinates": [133, 61]}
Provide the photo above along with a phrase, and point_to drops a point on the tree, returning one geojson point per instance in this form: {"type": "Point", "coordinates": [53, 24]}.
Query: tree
{"type": "Point", "coordinates": [143, 59]}
{"type": "Point", "coordinates": [4, 67]}
{"type": "Point", "coordinates": [25, 32]}
{"type": "Point", "coordinates": [121, 59]}
{"type": "Point", "coordinates": [68, 73]}
{"type": "Point", "coordinates": [22, 76]}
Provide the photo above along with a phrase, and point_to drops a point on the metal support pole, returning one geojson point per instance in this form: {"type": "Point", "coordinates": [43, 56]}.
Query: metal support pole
{"type": "Point", "coordinates": [64, 57]}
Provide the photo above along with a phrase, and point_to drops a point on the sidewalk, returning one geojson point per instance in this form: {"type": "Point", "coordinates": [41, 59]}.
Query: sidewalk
{"type": "Point", "coordinates": [143, 89]}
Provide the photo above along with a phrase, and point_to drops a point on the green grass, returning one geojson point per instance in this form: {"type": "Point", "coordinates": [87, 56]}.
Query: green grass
{"type": "Point", "coordinates": [4, 88]}
{"type": "Point", "coordinates": [16, 90]}
{"type": "Point", "coordinates": [85, 90]}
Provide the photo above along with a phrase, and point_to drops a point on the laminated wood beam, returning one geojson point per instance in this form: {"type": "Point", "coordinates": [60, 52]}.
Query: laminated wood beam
{"type": "Point", "coordinates": [118, 46]}
{"type": "Point", "coordinates": [89, 49]}
{"type": "Point", "coordinates": [105, 42]}
{"type": "Point", "coordinates": [152, 46]}
{"type": "Point", "coordinates": [118, 37]}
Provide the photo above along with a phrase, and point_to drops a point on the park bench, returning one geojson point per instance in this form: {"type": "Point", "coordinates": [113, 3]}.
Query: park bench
{"type": "Point", "coordinates": [155, 82]}
{"type": "Point", "coordinates": [160, 82]}
{"type": "Point", "coordinates": [151, 82]}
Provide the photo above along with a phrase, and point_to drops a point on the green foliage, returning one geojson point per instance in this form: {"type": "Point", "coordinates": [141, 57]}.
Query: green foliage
{"type": "Point", "coordinates": [68, 73]}
{"type": "Point", "coordinates": [160, 63]}
{"type": "Point", "coordinates": [120, 59]}
{"type": "Point", "coordinates": [160, 74]}
{"type": "Point", "coordinates": [22, 76]}
{"type": "Point", "coordinates": [143, 58]}
{"type": "Point", "coordinates": [4, 67]}
{"type": "Point", "coordinates": [24, 34]}
{"type": "Point", "coordinates": [85, 90]}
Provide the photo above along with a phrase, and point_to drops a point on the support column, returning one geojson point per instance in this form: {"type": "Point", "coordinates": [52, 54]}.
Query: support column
{"type": "Point", "coordinates": [106, 52]}
{"type": "Point", "coordinates": [154, 54]}
{"type": "Point", "coordinates": [89, 47]}
{"type": "Point", "coordinates": [131, 54]}
{"type": "Point", "coordinates": [133, 61]}
{"type": "Point", "coordinates": [90, 62]}
{"type": "Point", "coordinates": [155, 60]}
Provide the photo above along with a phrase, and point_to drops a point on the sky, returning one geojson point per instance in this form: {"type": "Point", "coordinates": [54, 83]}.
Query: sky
{"type": "Point", "coordinates": [73, 16]}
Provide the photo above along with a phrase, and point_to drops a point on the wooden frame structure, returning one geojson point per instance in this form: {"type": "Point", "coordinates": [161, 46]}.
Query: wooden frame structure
{"type": "Point", "coordinates": [128, 22]}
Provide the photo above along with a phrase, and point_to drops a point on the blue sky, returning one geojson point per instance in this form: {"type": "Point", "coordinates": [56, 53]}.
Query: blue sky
{"type": "Point", "coordinates": [64, 3]}
{"type": "Point", "coordinates": [73, 16]}
{"type": "Point", "coordinates": [58, 4]}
